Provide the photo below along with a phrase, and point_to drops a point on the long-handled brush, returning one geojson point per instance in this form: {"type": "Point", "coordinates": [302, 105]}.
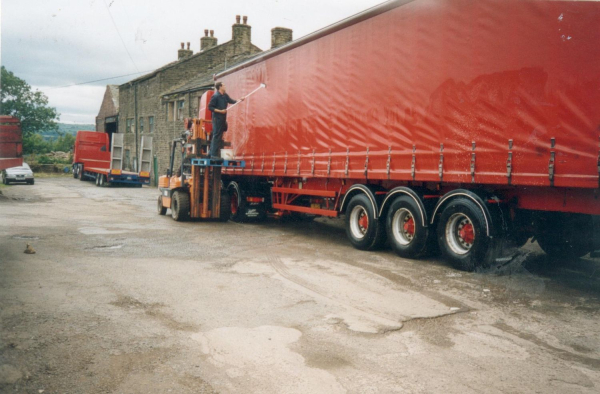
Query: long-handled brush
{"type": "Point", "coordinates": [262, 85]}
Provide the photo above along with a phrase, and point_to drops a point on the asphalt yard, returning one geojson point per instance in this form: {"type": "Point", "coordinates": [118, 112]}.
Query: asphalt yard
{"type": "Point", "coordinates": [118, 299]}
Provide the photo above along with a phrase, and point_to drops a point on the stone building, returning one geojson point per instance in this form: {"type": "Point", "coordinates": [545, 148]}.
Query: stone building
{"type": "Point", "coordinates": [107, 118]}
{"type": "Point", "coordinates": [155, 104]}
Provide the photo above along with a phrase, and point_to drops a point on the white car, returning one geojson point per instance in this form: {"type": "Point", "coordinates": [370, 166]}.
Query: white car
{"type": "Point", "coordinates": [18, 174]}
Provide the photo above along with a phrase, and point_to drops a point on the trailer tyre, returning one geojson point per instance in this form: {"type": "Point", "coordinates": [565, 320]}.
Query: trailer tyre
{"type": "Point", "coordinates": [225, 210]}
{"type": "Point", "coordinates": [162, 210]}
{"type": "Point", "coordinates": [563, 236]}
{"type": "Point", "coordinates": [462, 236]}
{"type": "Point", "coordinates": [180, 206]}
{"type": "Point", "coordinates": [75, 171]}
{"type": "Point", "coordinates": [102, 180]}
{"type": "Point", "coordinates": [404, 228]}
{"type": "Point", "coordinates": [237, 204]}
{"type": "Point", "coordinates": [98, 176]}
{"type": "Point", "coordinates": [363, 230]}
{"type": "Point", "coordinates": [80, 172]}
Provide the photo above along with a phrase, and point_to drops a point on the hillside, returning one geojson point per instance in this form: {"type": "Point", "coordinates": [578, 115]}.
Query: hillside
{"type": "Point", "coordinates": [67, 128]}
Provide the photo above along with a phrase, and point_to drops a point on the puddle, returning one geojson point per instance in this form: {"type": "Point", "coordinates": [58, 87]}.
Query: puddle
{"type": "Point", "coordinates": [26, 237]}
{"type": "Point", "coordinates": [99, 231]}
{"type": "Point", "coordinates": [105, 247]}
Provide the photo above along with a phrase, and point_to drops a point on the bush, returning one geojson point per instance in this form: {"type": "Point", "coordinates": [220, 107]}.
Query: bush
{"type": "Point", "coordinates": [35, 143]}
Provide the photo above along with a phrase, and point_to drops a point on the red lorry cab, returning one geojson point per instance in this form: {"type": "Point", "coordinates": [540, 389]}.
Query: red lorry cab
{"type": "Point", "coordinates": [11, 142]}
{"type": "Point", "coordinates": [92, 150]}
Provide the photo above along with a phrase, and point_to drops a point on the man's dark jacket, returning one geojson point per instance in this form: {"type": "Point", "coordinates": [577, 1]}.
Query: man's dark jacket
{"type": "Point", "coordinates": [219, 101]}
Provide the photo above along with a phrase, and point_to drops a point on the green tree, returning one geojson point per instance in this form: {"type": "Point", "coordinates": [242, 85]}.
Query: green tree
{"type": "Point", "coordinates": [35, 143]}
{"type": "Point", "coordinates": [17, 99]}
{"type": "Point", "coordinates": [64, 143]}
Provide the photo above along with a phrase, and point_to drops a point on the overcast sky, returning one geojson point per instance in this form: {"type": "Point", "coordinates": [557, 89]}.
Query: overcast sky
{"type": "Point", "coordinates": [53, 43]}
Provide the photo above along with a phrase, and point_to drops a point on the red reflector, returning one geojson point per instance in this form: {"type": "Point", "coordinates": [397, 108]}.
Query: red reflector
{"type": "Point", "coordinates": [255, 199]}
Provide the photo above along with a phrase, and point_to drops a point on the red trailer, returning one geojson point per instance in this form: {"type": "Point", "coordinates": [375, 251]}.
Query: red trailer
{"type": "Point", "coordinates": [97, 158]}
{"type": "Point", "coordinates": [11, 142]}
{"type": "Point", "coordinates": [458, 124]}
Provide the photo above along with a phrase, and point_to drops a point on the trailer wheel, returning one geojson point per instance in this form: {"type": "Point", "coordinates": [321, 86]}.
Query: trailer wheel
{"type": "Point", "coordinates": [462, 236]}
{"type": "Point", "coordinates": [102, 180]}
{"type": "Point", "coordinates": [162, 210]}
{"type": "Point", "coordinates": [80, 172]}
{"type": "Point", "coordinates": [564, 236]}
{"type": "Point", "coordinates": [404, 227]}
{"type": "Point", "coordinates": [98, 176]}
{"type": "Point", "coordinates": [226, 205]}
{"type": "Point", "coordinates": [237, 205]}
{"type": "Point", "coordinates": [363, 230]}
{"type": "Point", "coordinates": [75, 167]}
{"type": "Point", "coordinates": [180, 206]}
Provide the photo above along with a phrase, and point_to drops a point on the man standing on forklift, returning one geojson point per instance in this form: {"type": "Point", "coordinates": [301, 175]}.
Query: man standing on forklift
{"type": "Point", "coordinates": [218, 107]}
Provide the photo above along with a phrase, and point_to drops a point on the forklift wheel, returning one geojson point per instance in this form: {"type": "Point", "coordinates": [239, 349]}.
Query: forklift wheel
{"type": "Point", "coordinates": [162, 210]}
{"type": "Point", "coordinates": [225, 212]}
{"type": "Point", "coordinates": [180, 206]}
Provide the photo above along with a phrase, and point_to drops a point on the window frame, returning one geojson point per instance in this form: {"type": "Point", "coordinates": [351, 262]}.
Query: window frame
{"type": "Point", "coordinates": [150, 124]}
{"type": "Point", "coordinates": [130, 125]}
{"type": "Point", "coordinates": [180, 106]}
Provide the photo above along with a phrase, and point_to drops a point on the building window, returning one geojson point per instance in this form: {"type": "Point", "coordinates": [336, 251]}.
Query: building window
{"type": "Point", "coordinates": [151, 124]}
{"type": "Point", "coordinates": [180, 110]}
{"type": "Point", "coordinates": [141, 126]}
{"type": "Point", "coordinates": [130, 126]}
{"type": "Point", "coordinates": [171, 110]}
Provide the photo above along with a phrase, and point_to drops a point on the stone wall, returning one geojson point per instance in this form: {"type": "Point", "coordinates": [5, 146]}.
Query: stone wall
{"type": "Point", "coordinates": [107, 108]}
{"type": "Point", "coordinates": [280, 36]}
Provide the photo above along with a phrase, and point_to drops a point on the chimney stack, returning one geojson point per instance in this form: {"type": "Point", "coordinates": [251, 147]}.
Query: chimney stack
{"type": "Point", "coordinates": [208, 41]}
{"type": "Point", "coordinates": [183, 53]}
{"type": "Point", "coordinates": [280, 36]}
{"type": "Point", "coordinates": [242, 36]}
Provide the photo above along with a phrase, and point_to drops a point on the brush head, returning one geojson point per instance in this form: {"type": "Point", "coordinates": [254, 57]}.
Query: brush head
{"type": "Point", "coordinates": [263, 85]}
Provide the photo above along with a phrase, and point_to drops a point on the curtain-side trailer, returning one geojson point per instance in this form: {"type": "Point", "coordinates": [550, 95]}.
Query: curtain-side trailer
{"type": "Point", "coordinates": [451, 124]}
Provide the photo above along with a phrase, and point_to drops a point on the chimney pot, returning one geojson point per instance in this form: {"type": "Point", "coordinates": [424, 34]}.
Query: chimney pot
{"type": "Point", "coordinates": [182, 45]}
{"type": "Point", "coordinates": [237, 19]}
{"type": "Point", "coordinates": [245, 19]}
{"type": "Point", "coordinates": [280, 36]}
{"type": "Point", "coordinates": [212, 33]}
{"type": "Point", "coordinates": [205, 32]}
{"type": "Point", "coordinates": [188, 46]}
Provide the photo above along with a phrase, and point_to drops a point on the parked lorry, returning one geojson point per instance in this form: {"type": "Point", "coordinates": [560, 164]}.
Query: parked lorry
{"type": "Point", "coordinates": [97, 158]}
{"type": "Point", "coordinates": [11, 142]}
{"type": "Point", "coordinates": [453, 125]}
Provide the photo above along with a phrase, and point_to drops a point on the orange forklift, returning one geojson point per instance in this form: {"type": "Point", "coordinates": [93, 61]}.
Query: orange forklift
{"type": "Point", "coordinates": [195, 191]}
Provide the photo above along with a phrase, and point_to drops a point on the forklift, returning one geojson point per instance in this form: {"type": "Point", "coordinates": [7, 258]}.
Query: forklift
{"type": "Point", "coordinates": [195, 191]}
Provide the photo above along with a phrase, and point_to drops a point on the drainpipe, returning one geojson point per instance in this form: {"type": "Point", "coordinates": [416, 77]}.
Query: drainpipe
{"type": "Point", "coordinates": [189, 100]}
{"type": "Point", "coordinates": [135, 122]}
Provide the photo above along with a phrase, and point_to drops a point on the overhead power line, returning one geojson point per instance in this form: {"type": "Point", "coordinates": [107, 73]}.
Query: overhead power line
{"type": "Point", "coordinates": [99, 80]}
{"type": "Point", "coordinates": [117, 29]}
